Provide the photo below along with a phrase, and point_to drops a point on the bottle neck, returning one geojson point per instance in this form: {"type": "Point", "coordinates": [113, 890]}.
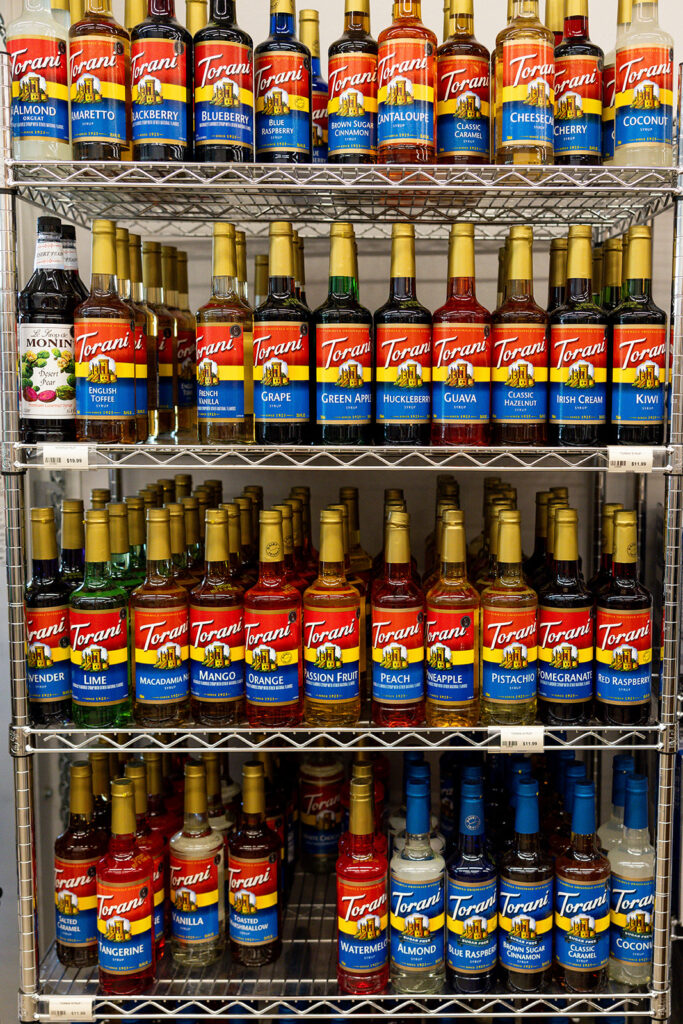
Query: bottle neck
{"type": "Point", "coordinates": [101, 8]}
{"type": "Point", "coordinates": [566, 572]}
{"type": "Point", "coordinates": [402, 288]}
{"type": "Point", "coordinates": [137, 291]}
{"type": "Point", "coordinates": [462, 24]}
{"type": "Point", "coordinates": [72, 560]}
{"type": "Point", "coordinates": [332, 572]}
{"type": "Point", "coordinates": [510, 572]}
{"type": "Point", "coordinates": [407, 10]}
{"type": "Point", "coordinates": [282, 25]}
{"type": "Point", "coordinates": [194, 822]}
{"type": "Point", "coordinates": [281, 287]}
{"type": "Point", "coordinates": [528, 842]}
{"type": "Point", "coordinates": [397, 572]}
{"type": "Point", "coordinates": [526, 9]}
{"type": "Point", "coordinates": [357, 21]}
{"type": "Point", "coordinates": [579, 289]}
{"type": "Point", "coordinates": [419, 845]}
{"type": "Point", "coordinates": [637, 289]}
{"type": "Point", "coordinates": [519, 289]}
{"type": "Point", "coordinates": [271, 573]}
{"type": "Point", "coordinates": [576, 27]}
{"type": "Point", "coordinates": [625, 570]}
{"type": "Point", "coordinates": [617, 814]}
{"type": "Point", "coordinates": [223, 11]}
{"type": "Point", "coordinates": [80, 823]}
{"type": "Point", "coordinates": [342, 287]}
{"type": "Point", "coordinates": [120, 562]}
{"type": "Point", "coordinates": [49, 253]}
{"type": "Point", "coordinates": [104, 284]}
{"type": "Point", "coordinates": [645, 13]}
{"type": "Point", "coordinates": [583, 844]}
{"type": "Point", "coordinates": [96, 574]}
{"type": "Point", "coordinates": [161, 8]}
{"type": "Point", "coordinates": [462, 288]}
{"type": "Point", "coordinates": [361, 847]}
{"type": "Point", "coordinates": [454, 572]}
{"type": "Point", "coordinates": [224, 287]}
{"type": "Point", "coordinates": [636, 839]}
{"type": "Point", "coordinates": [45, 569]}
{"type": "Point", "coordinates": [122, 845]}
{"type": "Point", "coordinates": [217, 572]}
{"type": "Point", "coordinates": [471, 846]}
{"type": "Point", "coordinates": [159, 568]}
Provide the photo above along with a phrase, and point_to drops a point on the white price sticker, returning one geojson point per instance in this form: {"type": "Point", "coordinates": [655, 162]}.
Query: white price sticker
{"type": "Point", "coordinates": [65, 456]}
{"type": "Point", "coordinates": [70, 1008]}
{"type": "Point", "coordinates": [629, 459]}
{"type": "Point", "coordinates": [519, 739]}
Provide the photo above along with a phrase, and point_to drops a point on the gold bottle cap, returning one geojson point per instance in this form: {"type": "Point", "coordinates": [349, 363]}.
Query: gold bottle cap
{"type": "Point", "coordinates": [580, 253]}
{"type": "Point", "coordinates": [639, 256]}
{"type": "Point", "coordinates": [554, 15]}
{"type": "Point", "coordinates": [158, 535]}
{"type": "Point", "coordinates": [461, 251]}
{"type": "Point", "coordinates": [281, 259]}
{"type": "Point", "coordinates": [509, 537]}
{"type": "Point", "coordinates": [100, 497]}
{"type": "Point", "coordinates": [343, 512]}
{"type": "Point", "coordinates": [191, 507]}
{"type": "Point", "coordinates": [97, 536]}
{"type": "Point", "coordinates": [244, 505]}
{"type": "Point", "coordinates": [403, 251]}
{"type": "Point", "coordinates": [357, 7]}
{"type": "Point", "coordinates": [453, 540]}
{"type": "Point", "coordinates": [566, 547]}
{"type": "Point", "coordinates": [43, 534]}
{"type": "Point", "coordinates": [196, 15]}
{"type": "Point", "coordinates": [183, 485]}
{"type": "Point", "coordinates": [122, 255]}
{"type": "Point", "coordinates": [612, 251]}
{"type": "Point", "coordinates": [73, 525]}
{"type": "Point", "coordinates": [136, 772]}
{"type": "Point", "coordinates": [331, 537]}
{"type": "Point", "coordinates": [135, 254]}
{"type": "Point", "coordinates": [624, 12]}
{"type": "Point", "coordinates": [122, 807]}
{"type": "Point", "coordinates": [270, 536]}
{"type": "Point", "coordinates": [309, 31]}
{"type": "Point", "coordinates": [80, 789]}
{"type": "Point", "coordinates": [458, 9]}
{"type": "Point", "coordinates": [361, 808]}
{"type": "Point", "coordinates": [241, 249]}
{"type": "Point", "coordinates": [151, 264]}
{"type": "Point", "coordinates": [213, 780]}
{"type": "Point", "coordinates": [397, 539]}
{"type": "Point", "coordinates": [282, 7]}
{"type": "Point", "coordinates": [232, 511]}
{"type": "Point", "coordinates": [625, 537]}
{"type": "Point", "coordinates": [558, 262]}
{"type": "Point", "coordinates": [136, 521]}
{"type": "Point", "coordinates": [99, 766]}
{"type": "Point", "coordinates": [216, 541]}
{"type": "Point", "coordinates": [494, 524]}
{"type": "Point", "coordinates": [253, 788]}
{"type": "Point", "coordinates": [104, 248]}
{"type": "Point", "coordinates": [224, 250]}
{"type": "Point", "coordinates": [542, 499]}
{"type": "Point", "coordinates": [195, 788]}
{"type": "Point", "coordinates": [363, 771]}
{"type": "Point", "coordinates": [287, 532]}
{"type": "Point", "coordinates": [575, 8]}
{"type": "Point", "coordinates": [609, 510]}
{"type": "Point", "coordinates": [553, 506]}
{"type": "Point", "coordinates": [393, 494]}
{"type": "Point", "coordinates": [260, 275]}
{"type": "Point", "coordinates": [176, 513]}
{"type": "Point", "coordinates": [300, 261]}
{"type": "Point", "coordinates": [342, 254]}
{"type": "Point", "coordinates": [560, 492]}
{"type": "Point", "coordinates": [135, 11]}
{"type": "Point", "coordinates": [153, 767]}
{"type": "Point", "coordinates": [169, 275]}
{"type": "Point", "coordinates": [76, 10]}
{"type": "Point", "coordinates": [520, 262]}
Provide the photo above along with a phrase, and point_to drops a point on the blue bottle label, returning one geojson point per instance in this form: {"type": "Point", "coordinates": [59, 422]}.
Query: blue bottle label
{"type": "Point", "coordinates": [406, 93]}
{"type": "Point", "coordinates": [343, 373]}
{"type": "Point", "coordinates": [105, 369]}
{"type": "Point", "coordinates": [216, 653]}
{"type": "Point", "coordinates": [161, 112]}
{"type": "Point", "coordinates": [582, 919]}
{"type": "Point", "coordinates": [565, 654]}
{"type": "Point", "coordinates": [404, 370]}
{"type": "Point", "coordinates": [352, 106]}
{"type": "Point", "coordinates": [578, 106]}
{"type": "Point", "coordinates": [281, 372]}
{"type": "Point", "coordinates": [528, 76]}
{"type": "Point", "coordinates": [223, 94]}
{"type": "Point", "coordinates": [398, 655]}
{"type": "Point", "coordinates": [40, 90]}
{"type": "Point", "coordinates": [509, 654]}
{"type": "Point", "coordinates": [99, 74]}
{"type": "Point", "coordinates": [519, 373]}
{"type": "Point", "coordinates": [272, 646]}
{"type": "Point", "coordinates": [162, 655]}
{"type": "Point", "coordinates": [623, 656]}
{"type": "Point", "coordinates": [461, 373]}
{"type": "Point", "coordinates": [332, 654]}
{"type": "Point", "coordinates": [449, 636]}
{"type": "Point", "coordinates": [99, 656]}
{"type": "Point", "coordinates": [463, 107]}
{"type": "Point", "coordinates": [48, 665]}
{"type": "Point", "coordinates": [282, 86]}
{"type": "Point", "coordinates": [76, 902]}
{"type": "Point", "coordinates": [362, 925]}
{"type": "Point", "coordinates": [644, 97]}
{"type": "Point", "coordinates": [197, 892]}
{"type": "Point", "coordinates": [254, 892]}
{"type": "Point", "coordinates": [472, 923]}
{"type": "Point", "coordinates": [125, 926]}
{"type": "Point", "coordinates": [525, 920]}
{"type": "Point", "coordinates": [417, 920]}
{"type": "Point", "coordinates": [632, 919]}
{"type": "Point", "coordinates": [578, 373]}
{"type": "Point", "coordinates": [638, 375]}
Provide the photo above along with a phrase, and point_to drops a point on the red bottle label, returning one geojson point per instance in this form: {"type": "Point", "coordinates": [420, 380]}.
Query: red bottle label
{"type": "Point", "coordinates": [100, 68]}
{"type": "Point", "coordinates": [321, 815]}
{"type": "Point", "coordinates": [140, 338]}
{"type": "Point", "coordinates": [578, 106]}
{"type": "Point", "coordinates": [197, 891]}
{"type": "Point", "coordinates": [223, 94]}
{"type": "Point", "coordinates": [638, 374]}
{"type": "Point", "coordinates": [48, 668]}
{"type": "Point", "coordinates": [343, 373]}
{"type": "Point", "coordinates": [217, 653]}
{"type": "Point", "coordinates": [99, 656]}
{"type": "Point", "coordinates": [520, 373]}
{"type": "Point", "coordinates": [125, 926]}
{"type": "Point", "coordinates": [461, 373]}
{"type": "Point", "coordinates": [253, 893]}
{"type": "Point", "coordinates": [509, 654]}
{"type": "Point", "coordinates": [449, 638]}
{"type": "Point", "coordinates": [282, 86]}
{"type": "Point", "coordinates": [76, 902]}
{"type": "Point", "coordinates": [40, 90]}
{"type": "Point", "coordinates": [578, 373]}
{"type": "Point", "coordinates": [272, 650]}
{"type": "Point", "coordinates": [565, 654]}
{"type": "Point", "coordinates": [162, 653]}
{"type": "Point", "coordinates": [220, 372]}
{"type": "Point", "coordinates": [281, 371]}
{"type": "Point", "coordinates": [404, 371]}
{"type": "Point", "coordinates": [362, 925]}
{"type": "Point", "coordinates": [623, 656]}
{"type": "Point", "coordinates": [105, 369]}
{"type": "Point", "coordinates": [162, 114]}
{"type": "Point", "coordinates": [406, 92]}
{"type": "Point", "coordinates": [463, 106]}
{"type": "Point", "coordinates": [352, 106]}
{"type": "Point", "coordinates": [332, 654]}
{"type": "Point", "coordinates": [398, 655]}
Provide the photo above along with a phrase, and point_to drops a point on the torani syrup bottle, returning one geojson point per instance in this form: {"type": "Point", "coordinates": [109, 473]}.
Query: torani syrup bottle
{"type": "Point", "coordinates": [101, 795]}
{"type": "Point", "coordinates": [398, 622]}
{"type": "Point", "coordinates": [519, 397]}
{"type": "Point", "coordinates": [186, 353]}
{"type": "Point", "coordinates": [100, 105]}
{"type": "Point", "coordinates": [639, 387]}
{"type": "Point", "coordinates": [597, 273]}
{"type": "Point", "coordinates": [582, 901]}
{"type": "Point", "coordinates": [461, 352]}
{"type": "Point", "coordinates": [578, 91]}
{"type": "Point", "coordinates": [163, 331]}
{"type": "Point", "coordinates": [125, 903]}
{"type": "Point", "coordinates": [609, 83]}
{"type": "Point", "coordinates": [152, 843]}
{"type": "Point", "coordinates": [160, 624]}
{"type": "Point", "coordinates": [217, 633]}
{"type": "Point", "coordinates": [321, 777]}
{"type": "Point", "coordinates": [352, 74]}
{"type": "Point", "coordinates": [342, 329]}
{"type": "Point", "coordinates": [309, 33]}
{"type": "Point", "coordinates": [197, 880]}
{"type": "Point", "coordinates": [623, 634]}
{"type": "Point", "coordinates": [72, 554]}
{"type": "Point", "coordinates": [463, 91]}
{"type": "Point", "coordinates": [554, 19]}
{"type": "Point", "coordinates": [98, 629]}
{"type": "Point", "coordinates": [105, 351]}
{"type": "Point", "coordinates": [509, 635]}
{"type": "Point", "coordinates": [223, 89]}
{"type": "Point", "coordinates": [403, 342]}
{"type": "Point", "coordinates": [254, 878]}
{"type": "Point", "coordinates": [150, 374]}
{"type": "Point", "coordinates": [537, 560]}
{"type": "Point", "coordinates": [46, 611]}
{"type": "Point", "coordinates": [136, 534]}
{"type": "Point", "coordinates": [282, 91]}
{"type": "Point", "coordinates": [612, 274]}
{"type": "Point", "coordinates": [143, 349]}
{"type": "Point", "coordinates": [362, 903]}
{"type": "Point", "coordinates": [161, 62]}
{"type": "Point", "coordinates": [406, 121]}
{"type": "Point", "coordinates": [578, 354]}
{"type": "Point", "coordinates": [281, 350]}
{"type": "Point", "coordinates": [77, 851]}
{"type": "Point", "coordinates": [557, 278]}
{"type": "Point", "coordinates": [182, 574]}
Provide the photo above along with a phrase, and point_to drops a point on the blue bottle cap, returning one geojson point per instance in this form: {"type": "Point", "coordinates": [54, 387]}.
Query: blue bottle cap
{"type": "Point", "coordinates": [526, 817]}
{"type": "Point", "coordinates": [417, 807]}
{"type": "Point", "coordinates": [420, 771]}
{"type": "Point", "coordinates": [635, 808]}
{"type": "Point", "coordinates": [472, 773]}
{"type": "Point", "coordinates": [472, 809]}
{"type": "Point", "coordinates": [583, 815]}
{"type": "Point", "coordinates": [622, 765]}
{"type": "Point", "coordinates": [573, 772]}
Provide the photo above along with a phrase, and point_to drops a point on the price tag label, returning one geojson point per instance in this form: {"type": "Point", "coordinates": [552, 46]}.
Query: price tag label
{"type": "Point", "coordinates": [65, 456]}
{"type": "Point", "coordinates": [519, 739]}
{"type": "Point", "coordinates": [70, 1008]}
{"type": "Point", "coordinates": [629, 459]}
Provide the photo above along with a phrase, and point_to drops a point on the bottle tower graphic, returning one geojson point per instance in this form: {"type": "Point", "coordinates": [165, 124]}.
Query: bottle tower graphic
{"type": "Point", "coordinates": [569, 108]}
{"type": "Point", "coordinates": [149, 92]}
{"type": "Point", "coordinates": [276, 103]}
{"type": "Point", "coordinates": [468, 107]}
{"type": "Point", "coordinates": [351, 104]}
{"type": "Point", "coordinates": [400, 92]}
{"type": "Point", "coordinates": [395, 656]}
{"type": "Point", "coordinates": [538, 94]}
{"type": "Point", "coordinates": [88, 89]}
{"type": "Point", "coordinates": [521, 375]}
{"type": "Point", "coordinates": [102, 370]}
{"type": "Point", "coordinates": [460, 375]}
{"type": "Point", "coordinates": [515, 656]}
{"type": "Point", "coordinates": [168, 657]}
{"type": "Point", "coordinates": [564, 656]}
{"type": "Point", "coordinates": [32, 89]}
{"type": "Point", "coordinates": [581, 376]}
{"type": "Point", "coordinates": [647, 376]}
{"type": "Point", "coordinates": [368, 928]}
{"type": "Point", "coordinates": [625, 659]}
{"type": "Point", "coordinates": [328, 656]}
{"type": "Point", "coordinates": [225, 93]}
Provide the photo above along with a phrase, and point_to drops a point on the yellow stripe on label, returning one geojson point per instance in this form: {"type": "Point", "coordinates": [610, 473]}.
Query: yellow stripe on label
{"type": "Point", "coordinates": [331, 376]}
{"type": "Point", "coordinates": [415, 654]}
{"type": "Point", "coordinates": [122, 370]}
{"type": "Point", "coordinates": [481, 374]}
{"type": "Point", "coordinates": [620, 376]}
{"type": "Point", "coordinates": [389, 376]}
{"type": "Point", "coordinates": [497, 655]}
{"type": "Point", "coordinates": [565, 923]}
{"type": "Point", "coordinates": [560, 376]}
{"type": "Point", "coordinates": [501, 374]}
{"type": "Point", "coordinates": [450, 107]}
{"type": "Point", "coordinates": [420, 92]}
{"type": "Point", "coordinates": [348, 654]}
{"type": "Point", "coordinates": [351, 927]}
{"type": "Point", "coordinates": [136, 927]}
{"type": "Point", "coordinates": [113, 658]}
{"type": "Point", "coordinates": [435, 923]}
{"type": "Point", "coordinates": [236, 654]}
{"type": "Point", "coordinates": [369, 105]}
{"type": "Point", "coordinates": [150, 657]}
{"type": "Point", "coordinates": [109, 90]}
{"type": "Point", "coordinates": [268, 900]}
{"type": "Point", "coordinates": [54, 92]}
{"type": "Point", "coordinates": [204, 899]}
{"type": "Point", "coordinates": [456, 657]}
{"type": "Point", "coordinates": [205, 93]}
{"type": "Point", "coordinates": [546, 925]}
{"type": "Point", "coordinates": [58, 654]}
{"type": "Point", "coordinates": [294, 373]}
{"type": "Point", "coordinates": [625, 99]}
{"type": "Point", "coordinates": [458, 927]}
{"type": "Point", "coordinates": [605, 657]}
{"type": "Point", "coordinates": [585, 654]}
{"type": "Point", "coordinates": [84, 902]}
{"type": "Point", "coordinates": [296, 103]}
{"type": "Point", "coordinates": [281, 657]}
{"type": "Point", "coordinates": [520, 94]}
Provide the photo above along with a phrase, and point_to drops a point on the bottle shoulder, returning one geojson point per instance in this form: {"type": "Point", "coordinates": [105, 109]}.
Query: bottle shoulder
{"type": "Point", "coordinates": [584, 47]}
{"type": "Point", "coordinates": [423, 869]}
{"type": "Point", "coordinates": [214, 32]}
{"type": "Point", "coordinates": [282, 43]}
{"type": "Point", "coordinates": [400, 311]}
{"type": "Point", "coordinates": [514, 311]}
{"type": "Point", "coordinates": [453, 595]}
{"type": "Point", "coordinates": [91, 598]}
{"type": "Point", "coordinates": [408, 28]}
{"type": "Point", "coordinates": [396, 593]}
{"type": "Point", "coordinates": [353, 42]}
{"type": "Point", "coordinates": [278, 308]}
{"type": "Point", "coordinates": [336, 310]}
{"type": "Point", "coordinates": [524, 30]}
{"type": "Point", "coordinates": [462, 46]}
{"type": "Point", "coordinates": [463, 311]}
{"type": "Point", "coordinates": [620, 596]}
{"type": "Point", "coordinates": [34, 24]}
{"type": "Point", "coordinates": [161, 27]}
{"type": "Point", "coordinates": [644, 34]}
{"type": "Point", "coordinates": [217, 311]}
{"type": "Point", "coordinates": [103, 307]}
{"type": "Point", "coordinates": [165, 593]}
{"type": "Point", "coordinates": [578, 313]}
{"type": "Point", "coordinates": [635, 312]}
{"type": "Point", "coordinates": [100, 25]}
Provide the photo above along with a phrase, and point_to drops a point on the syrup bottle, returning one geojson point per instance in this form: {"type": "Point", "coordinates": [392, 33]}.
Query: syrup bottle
{"type": "Point", "coordinates": [309, 33]}
{"type": "Point", "coordinates": [578, 91]}
{"type": "Point", "coordinates": [352, 68]}
{"type": "Point", "coordinates": [151, 843]}
{"type": "Point", "coordinates": [223, 131]}
{"type": "Point", "coordinates": [72, 554]}
{"type": "Point", "coordinates": [463, 90]}
{"type": "Point", "coordinates": [282, 59]}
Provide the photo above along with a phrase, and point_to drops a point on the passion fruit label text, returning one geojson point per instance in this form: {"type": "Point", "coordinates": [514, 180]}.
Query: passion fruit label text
{"type": "Point", "coordinates": [352, 104]}
{"type": "Point", "coordinates": [519, 359]}
{"type": "Point", "coordinates": [161, 112]}
{"type": "Point", "coordinates": [509, 654]}
{"type": "Point", "coordinates": [343, 373]}
{"type": "Point", "coordinates": [40, 91]}
{"type": "Point", "coordinates": [48, 666]}
{"type": "Point", "coordinates": [99, 656]}
{"type": "Point", "coordinates": [282, 88]}
{"type": "Point", "coordinates": [578, 373]}
{"type": "Point", "coordinates": [281, 372]}
{"type": "Point", "coordinates": [403, 357]}
{"type": "Point", "coordinates": [216, 653]}
{"type": "Point", "coordinates": [565, 654]}
{"type": "Point", "coordinates": [528, 95]}
{"type": "Point", "coordinates": [623, 656]}
{"type": "Point", "coordinates": [253, 895]}
{"type": "Point", "coordinates": [461, 373]}
{"type": "Point", "coordinates": [272, 643]}
{"type": "Point", "coordinates": [644, 97]}
{"type": "Point", "coordinates": [105, 369]}
{"type": "Point", "coordinates": [332, 654]}
{"type": "Point", "coordinates": [99, 74]}
{"type": "Point", "coordinates": [406, 93]}
{"type": "Point", "coordinates": [362, 925]}
{"type": "Point", "coordinates": [162, 653]}
{"type": "Point", "coordinates": [463, 107]}
{"type": "Point", "coordinates": [76, 902]}
{"type": "Point", "coordinates": [125, 926]}
{"type": "Point", "coordinates": [638, 374]}
{"type": "Point", "coordinates": [223, 94]}
{"type": "Point", "coordinates": [578, 106]}
{"type": "Point", "coordinates": [449, 639]}
{"type": "Point", "coordinates": [398, 655]}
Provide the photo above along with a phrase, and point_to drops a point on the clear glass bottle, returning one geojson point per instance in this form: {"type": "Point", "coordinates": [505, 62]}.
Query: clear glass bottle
{"type": "Point", "coordinates": [611, 831]}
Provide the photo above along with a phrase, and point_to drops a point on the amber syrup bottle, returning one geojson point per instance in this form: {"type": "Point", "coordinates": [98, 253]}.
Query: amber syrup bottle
{"type": "Point", "coordinates": [557, 277]}
{"type": "Point", "coordinates": [248, 561]}
{"type": "Point", "coordinates": [362, 587]}
{"type": "Point", "coordinates": [578, 354]}
{"type": "Point", "coordinates": [283, 135]}
{"type": "Point", "coordinates": [46, 611]}
{"type": "Point", "coordinates": [406, 129]}
{"type": "Point", "coordinates": [603, 576]}
{"type": "Point", "coordinates": [72, 554]}
{"type": "Point", "coordinates": [429, 577]}
{"type": "Point", "coordinates": [159, 610]}
{"type": "Point", "coordinates": [361, 561]}
{"type": "Point", "coordinates": [45, 335]}
{"type": "Point", "coordinates": [217, 633]}
{"type": "Point", "coordinates": [352, 67]}
{"type": "Point", "coordinates": [536, 562]}
{"type": "Point", "coordinates": [488, 574]}
{"type": "Point", "coordinates": [105, 351]}
{"type": "Point", "coordinates": [125, 895]}
{"type": "Point", "coordinates": [272, 628]}
{"type": "Point", "coordinates": [309, 552]}
{"type": "Point", "coordinates": [147, 372]}
{"type": "Point", "coordinates": [223, 134]}
{"type": "Point", "coordinates": [166, 341]}
{"type": "Point", "coordinates": [281, 351]}
{"type": "Point", "coordinates": [186, 347]}
{"type": "Point", "coordinates": [98, 629]}
{"type": "Point", "coordinates": [398, 619]}
{"type": "Point", "coordinates": [139, 330]}
{"type": "Point", "coordinates": [639, 387]}
{"type": "Point", "coordinates": [403, 349]}
{"type": "Point", "coordinates": [153, 844]}
{"type": "Point", "coordinates": [462, 67]}
{"type": "Point", "coordinates": [461, 352]}
{"type": "Point", "coordinates": [254, 878]}
{"type": "Point", "coordinates": [309, 33]}
{"type": "Point", "coordinates": [223, 325]}
{"type": "Point", "coordinates": [519, 399]}
{"type": "Point", "coordinates": [597, 274]}
{"type": "Point", "coordinates": [70, 255]}
{"type": "Point", "coordinates": [578, 91]}
{"type": "Point", "coordinates": [342, 333]}
{"type": "Point", "coordinates": [162, 101]}
{"type": "Point", "coordinates": [77, 851]}
{"type": "Point", "coordinates": [452, 635]}
{"type": "Point", "coordinates": [362, 876]}
{"type": "Point", "coordinates": [182, 574]}
{"type": "Point", "coordinates": [100, 114]}
{"type": "Point", "coordinates": [565, 633]}
{"type": "Point", "coordinates": [158, 817]}
{"type": "Point", "coordinates": [623, 634]}
{"type": "Point", "coordinates": [582, 889]}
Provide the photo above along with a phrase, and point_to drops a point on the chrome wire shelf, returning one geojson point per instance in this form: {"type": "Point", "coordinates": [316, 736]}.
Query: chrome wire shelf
{"type": "Point", "coordinates": [373, 197]}
{"type": "Point", "coordinates": [197, 739]}
{"type": "Point", "coordinates": [181, 456]}
{"type": "Point", "coordinates": [303, 983]}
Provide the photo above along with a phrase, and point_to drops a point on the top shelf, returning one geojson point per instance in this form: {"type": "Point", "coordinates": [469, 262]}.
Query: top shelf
{"type": "Point", "coordinates": [373, 197]}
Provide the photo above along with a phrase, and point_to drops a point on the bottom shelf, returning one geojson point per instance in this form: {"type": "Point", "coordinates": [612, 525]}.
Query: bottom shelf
{"type": "Point", "coordinates": [302, 983]}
